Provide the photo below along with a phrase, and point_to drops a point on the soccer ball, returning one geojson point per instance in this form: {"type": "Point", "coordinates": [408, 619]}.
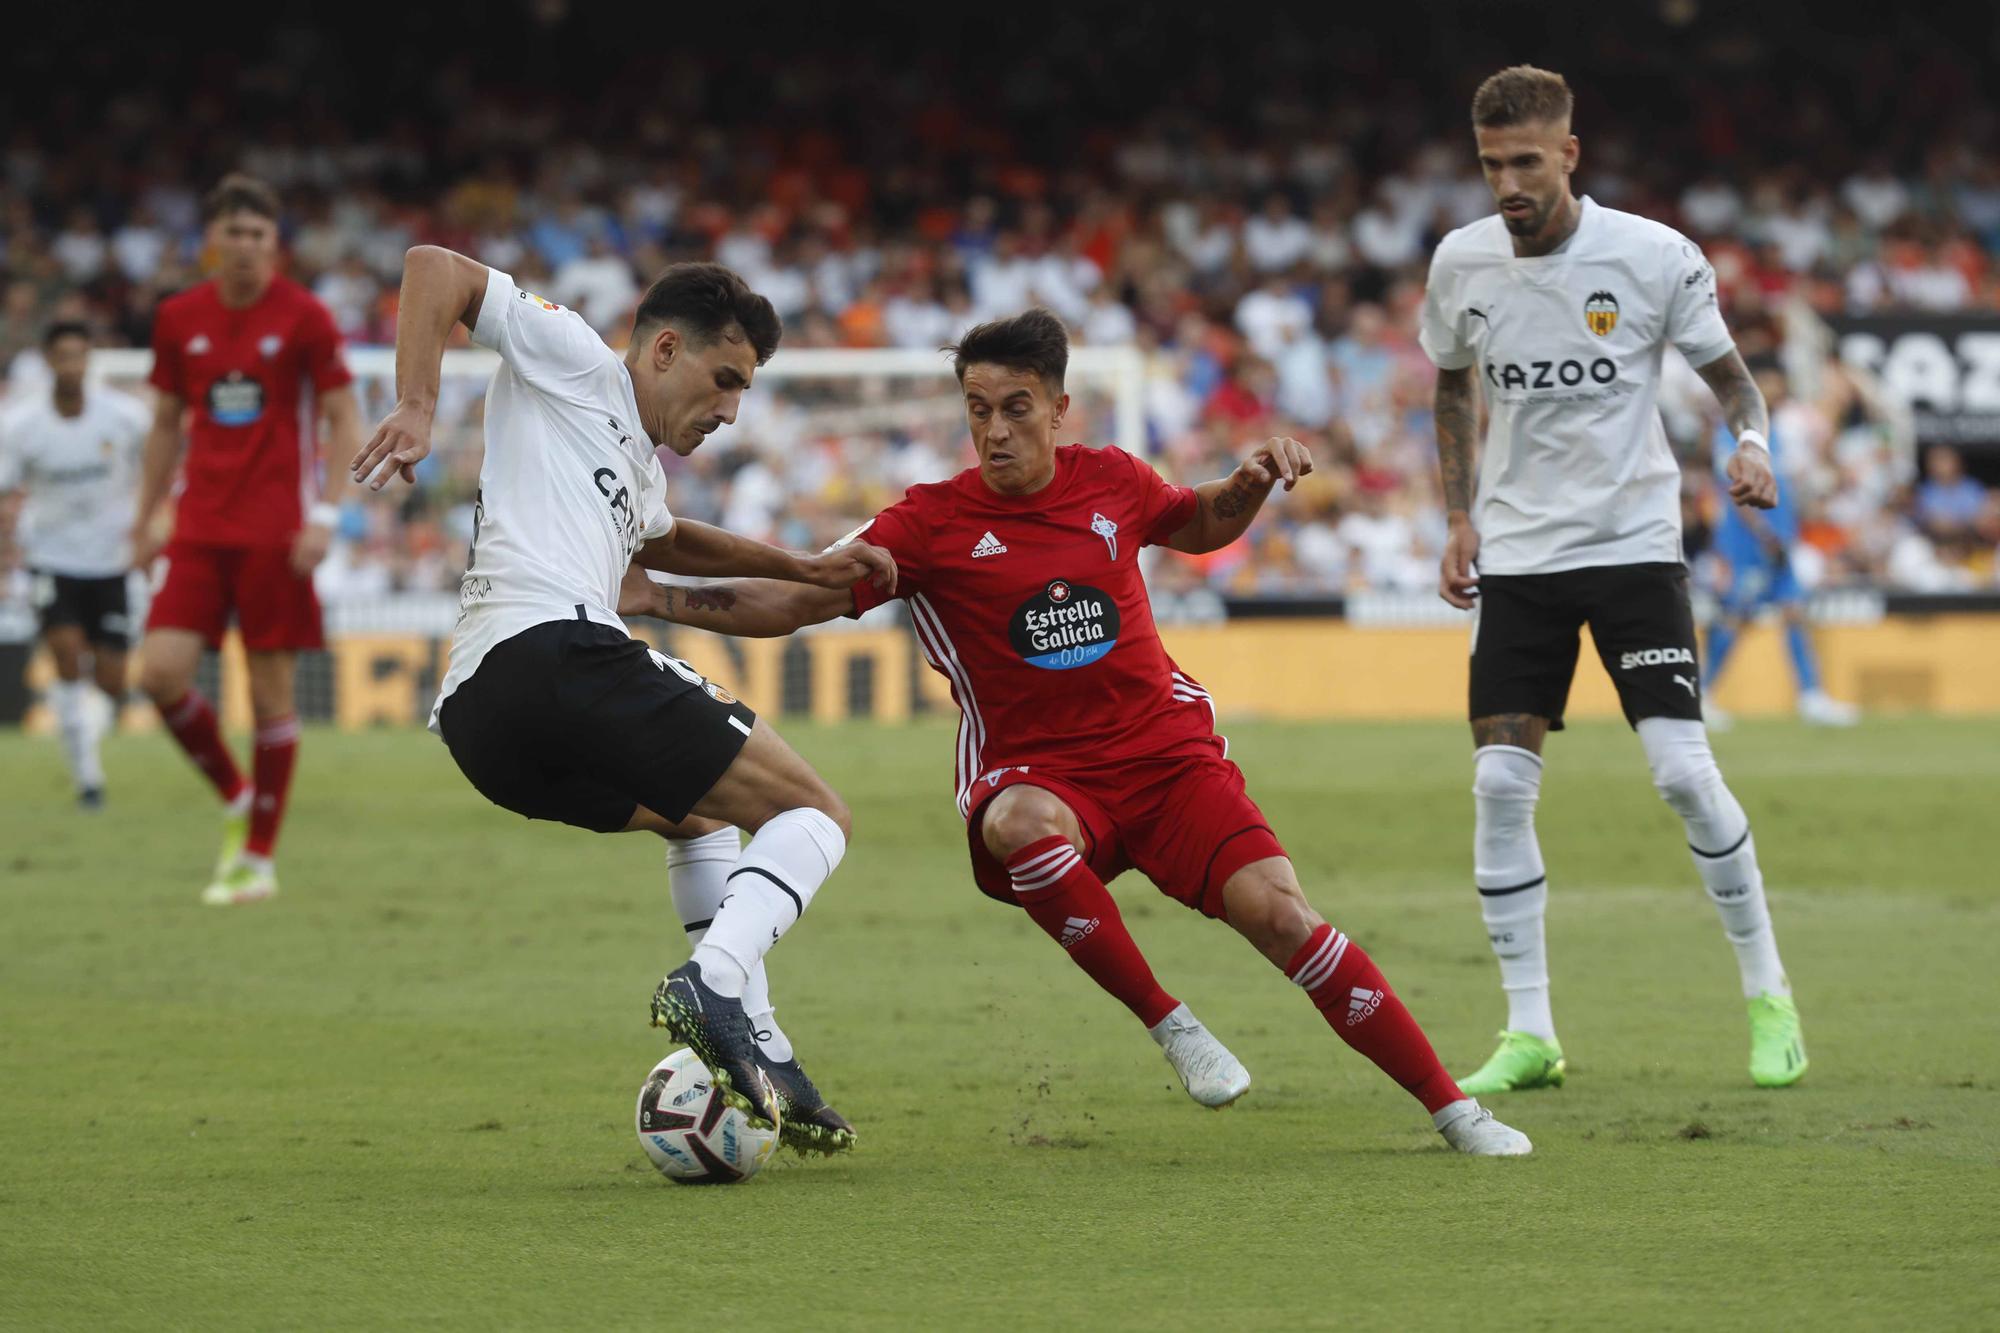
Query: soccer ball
{"type": "Point", "coordinates": [691, 1134]}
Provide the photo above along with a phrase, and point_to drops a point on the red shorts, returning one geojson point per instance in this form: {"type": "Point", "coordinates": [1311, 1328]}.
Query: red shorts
{"type": "Point", "coordinates": [1183, 821]}
{"type": "Point", "coordinates": [197, 588]}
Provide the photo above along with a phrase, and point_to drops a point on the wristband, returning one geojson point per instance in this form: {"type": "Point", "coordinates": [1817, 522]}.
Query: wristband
{"type": "Point", "coordinates": [1753, 437]}
{"type": "Point", "coordinates": [323, 515]}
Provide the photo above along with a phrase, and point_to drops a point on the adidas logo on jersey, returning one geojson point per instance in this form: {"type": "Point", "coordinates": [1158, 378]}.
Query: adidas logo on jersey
{"type": "Point", "coordinates": [989, 545]}
{"type": "Point", "coordinates": [1361, 1003]}
{"type": "Point", "coordinates": [1078, 928]}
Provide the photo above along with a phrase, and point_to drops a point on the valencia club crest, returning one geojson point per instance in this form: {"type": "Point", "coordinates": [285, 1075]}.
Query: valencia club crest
{"type": "Point", "coordinates": [1601, 313]}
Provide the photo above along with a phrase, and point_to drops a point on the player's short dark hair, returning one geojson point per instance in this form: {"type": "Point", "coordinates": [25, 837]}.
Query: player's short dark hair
{"type": "Point", "coordinates": [1032, 342]}
{"type": "Point", "coordinates": [64, 328]}
{"type": "Point", "coordinates": [1522, 95]}
{"type": "Point", "coordinates": [239, 192]}
{"type": "Point", "coordinates": [705, 301]}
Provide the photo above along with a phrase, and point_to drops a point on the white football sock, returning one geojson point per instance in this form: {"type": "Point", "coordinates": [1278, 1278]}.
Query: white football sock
{"type": "Point", "coordinates": [771, 887]}
{"type": "Point", "coordinates": [1513, 887]}
{"type": "Point", "coordinates": [698, 877]}
{"type": "Point", "coordinates": [70, 701]}
{"type": "Point", "coordinates": [1725, 855]}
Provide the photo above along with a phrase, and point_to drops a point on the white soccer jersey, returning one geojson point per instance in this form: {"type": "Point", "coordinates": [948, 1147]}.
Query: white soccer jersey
{"type": "Point", "coordinates": [1568, 347]}
{"type": "Point", "coordinates": [81, 475]}
{"type": "Point", "coordinates": [569, 486]}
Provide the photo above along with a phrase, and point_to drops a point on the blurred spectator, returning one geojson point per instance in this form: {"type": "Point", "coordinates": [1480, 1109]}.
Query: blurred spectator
{"type": "Point", "coordinates": [1276, 238]}
{"type": "Point", "coordinates": [1258, 228]}
{"type": "Point", "coordinates": [1952, 508]}
{"type": "Point", "coordinates": [600, 286]}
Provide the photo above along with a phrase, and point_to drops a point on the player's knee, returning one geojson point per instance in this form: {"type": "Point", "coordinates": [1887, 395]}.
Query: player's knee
{"type": "Point", "coordinates": [271, 699]}
{"type": "Point", "coordinates": [1684, 772]}
{"type": "Point", "coordinates": [1020, 817]}
{"type": "Point", "coordinates": [163, 682]}
{"type": "Point", "coordinates": [1289, 919]}
{"type": "Point", "coordinates": [1506, 779]}
{"type": "Point", "coordinates": [1267, 907]}
{"type": "Point", "coordinates": [830, 805]}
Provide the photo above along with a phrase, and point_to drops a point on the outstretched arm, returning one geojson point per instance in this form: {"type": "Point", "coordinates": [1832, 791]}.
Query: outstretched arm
{"type": "Point", "coordinates": [746, 608]}
{"type": "Point", "coordinates": [1751, 481]}
{"type": "Point", "coordinates": [440, 288]}
{"type": "Point", "coordinates": [701, 550]}
{"type": "Point", "coordinates": [1455, 408]}
{"type": "Point", "coordinates": [1228, 506]}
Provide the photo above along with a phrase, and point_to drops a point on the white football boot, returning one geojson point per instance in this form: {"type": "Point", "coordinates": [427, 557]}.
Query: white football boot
{"type": "Point", "coordinates": [1471, 1128]}
{"type": "Point", "coordinates": [1211, 1075]}
{"type": "Point", "coordinates": [1819, 709]}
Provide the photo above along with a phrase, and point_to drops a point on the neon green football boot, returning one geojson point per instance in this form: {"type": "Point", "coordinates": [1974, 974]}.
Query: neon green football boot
{"type": "Point", "coordinates": [248, 881]}
{"type": "Point", "coordinates": [235, 833]}
{"type": "Point", "coordinates": [1521, 1062]}
{"type": "Point", "coordinates": [1777, 1047]}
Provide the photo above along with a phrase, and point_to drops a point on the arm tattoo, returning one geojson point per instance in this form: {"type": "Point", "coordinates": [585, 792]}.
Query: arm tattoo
{"type": "Point", "coordinates": [1457, 414]}
{"type": "Point", "coordinates": [1736, 389]}
{"type": "Point", "coordinates": [1234, 500]}
{"type": "Point", "coordinates": [711, 599]}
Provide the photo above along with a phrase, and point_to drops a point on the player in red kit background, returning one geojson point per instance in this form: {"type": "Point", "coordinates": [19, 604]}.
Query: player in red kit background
{"type": "Point", "coordinates": [249, 362]}
{"type": "Point", "coordinates": [1082, 749]}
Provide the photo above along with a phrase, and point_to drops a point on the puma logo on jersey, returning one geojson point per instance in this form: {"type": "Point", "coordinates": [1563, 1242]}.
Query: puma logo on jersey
{"type": "Point", "coordinates": [1685, 683]}
{"type": "Point", "coordinates": [1656, 657]}
{"type": "Point", "coordinates": [988, 545]}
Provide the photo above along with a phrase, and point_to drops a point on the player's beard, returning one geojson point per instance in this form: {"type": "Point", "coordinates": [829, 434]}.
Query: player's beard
{"type": "Point", "coordinates": [1532, 224]}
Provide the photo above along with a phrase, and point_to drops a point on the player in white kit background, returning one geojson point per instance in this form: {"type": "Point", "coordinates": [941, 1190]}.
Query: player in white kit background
{"type": "Point", "coordinates": [549, 707]}
{"type": "Point", "coordinates": [1559, 311]}
{"type": "Point", "coordinates": [74, 453]}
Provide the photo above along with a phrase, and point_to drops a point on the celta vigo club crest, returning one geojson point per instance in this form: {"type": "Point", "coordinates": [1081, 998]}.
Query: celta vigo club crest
{"type": "Point", "coordinates": [1108, 530]}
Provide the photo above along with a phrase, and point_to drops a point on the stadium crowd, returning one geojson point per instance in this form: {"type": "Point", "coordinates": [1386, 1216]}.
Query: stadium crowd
{"type": "Point", "coordinates": [1268, 264]}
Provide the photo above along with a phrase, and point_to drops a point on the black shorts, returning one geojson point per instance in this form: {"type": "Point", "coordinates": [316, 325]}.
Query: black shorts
{"type": "Point", "coordinates": [1524, 640]}
{"type": "Point", "coordinates": [579, 723]}
{"type": "Point", "coordinates": [95, 604]}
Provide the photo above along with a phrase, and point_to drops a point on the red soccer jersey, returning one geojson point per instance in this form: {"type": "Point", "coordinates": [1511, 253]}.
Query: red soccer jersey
{"type": "Point", "coordinates": [1034, 609]}
{"type": "Point", "coordinates": [251, 380]}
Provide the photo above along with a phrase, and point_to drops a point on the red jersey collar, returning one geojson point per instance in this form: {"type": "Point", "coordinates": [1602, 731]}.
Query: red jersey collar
{"type": "Point", "coordinates": [1066, 459]}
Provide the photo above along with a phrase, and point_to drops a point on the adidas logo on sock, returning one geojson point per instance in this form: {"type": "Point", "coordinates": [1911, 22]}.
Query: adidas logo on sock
{"type": "Point", "coordinates": [1363, 1003]}
{"type": "Point", "coordinates": [1076, 929]}
{"type": "Point", "coordinates": [989, 545]}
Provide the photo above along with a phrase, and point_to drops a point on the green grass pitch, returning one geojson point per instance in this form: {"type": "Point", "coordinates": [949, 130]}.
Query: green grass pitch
{"type": "Point", "coordinates": [402, 1093]}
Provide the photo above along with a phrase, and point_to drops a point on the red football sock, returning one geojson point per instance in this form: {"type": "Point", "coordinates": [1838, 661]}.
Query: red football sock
{"type": "Point", "coordinates": [1358, 1005]}
{"type": "Point", "coordinates": [192, 723]}
{"type": "Point", "coordinates": [277, 749]}
{"type": "Point", "coordinates": [1070, 903]}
